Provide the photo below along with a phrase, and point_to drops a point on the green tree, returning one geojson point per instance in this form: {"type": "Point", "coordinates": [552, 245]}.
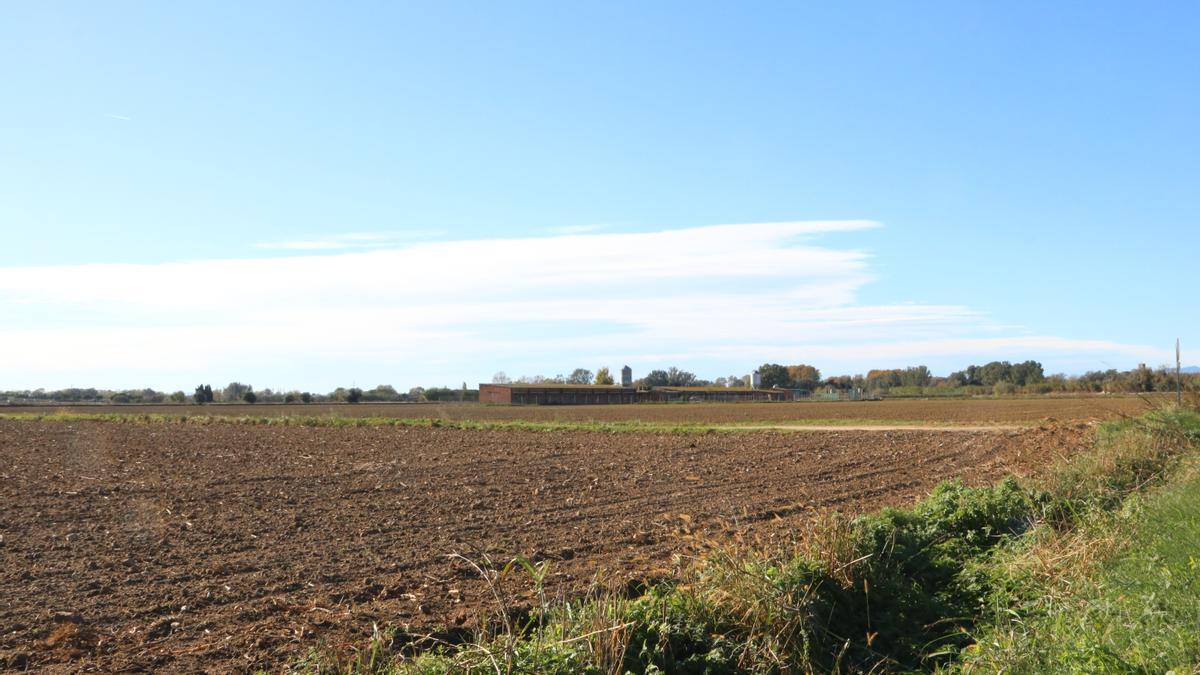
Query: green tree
{"type": "Point", "coordinates": [680, 378]}
{"type": "Point", "coordinates": [603, 376]}
{"type": "Point", "coordinates": [655, 378]}
{"type": "Point", "coordinates": [1028, 372]}
{"type": "Point", "coordinates": [203, 394]}
{"type": "Point", "coordinates": [994, 372]}
{"type": "Point", "coordinates": [580, 376]}
{"type": "Point", "coordinates": [250, 396]}
{"type": "Point", "coordinates": [354, 395]}
{"type": "Point", "coordinates": [306, 397]}
{"type": "Point", "coordinates": [234, 391]}
{"type": "Point", "coordinates": [774, 375]}
{"type": "Point", "coordinates": [383, 392]}
{"type": "Point", "coordinates": [915, 376]}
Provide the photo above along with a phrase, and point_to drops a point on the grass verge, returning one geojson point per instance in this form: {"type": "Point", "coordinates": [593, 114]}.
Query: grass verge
{"type": "Point", "coordinates": [1121, 594]}
{"type": "Point", "coordinates": [1090, 569]}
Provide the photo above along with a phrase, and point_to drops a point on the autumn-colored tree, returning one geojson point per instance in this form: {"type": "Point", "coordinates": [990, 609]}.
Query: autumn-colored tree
{"type": "Point", "coordinates": [804, 376]}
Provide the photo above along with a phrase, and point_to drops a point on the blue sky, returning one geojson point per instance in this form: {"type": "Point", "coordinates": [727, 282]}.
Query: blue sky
{"type": "Point", "coordinates": [308, 195]}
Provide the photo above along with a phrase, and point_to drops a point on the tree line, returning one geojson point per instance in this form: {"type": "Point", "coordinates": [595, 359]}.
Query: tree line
{"type": "Point", "coordinates": [995, 377]}
{"type": "Point", "coordinates": [237, 392]}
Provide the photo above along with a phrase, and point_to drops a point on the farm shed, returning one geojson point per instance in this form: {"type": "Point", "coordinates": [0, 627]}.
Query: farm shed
{"type": "Point", "coordinates": [555, 394]}
{"type": "Point", "coordinates": [732, 394]}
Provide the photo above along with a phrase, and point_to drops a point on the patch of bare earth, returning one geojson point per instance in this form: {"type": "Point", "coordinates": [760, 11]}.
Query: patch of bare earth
{"type": "Point", "coordinates": [232, 547]}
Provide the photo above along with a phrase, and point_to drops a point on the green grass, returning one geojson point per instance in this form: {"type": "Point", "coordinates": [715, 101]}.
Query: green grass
{"type": "Point", "coordinates": [1127, 599]}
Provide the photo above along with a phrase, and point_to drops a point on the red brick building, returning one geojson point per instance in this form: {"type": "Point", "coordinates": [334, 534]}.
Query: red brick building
{"type": "Point", "coordinates": [555, 394]}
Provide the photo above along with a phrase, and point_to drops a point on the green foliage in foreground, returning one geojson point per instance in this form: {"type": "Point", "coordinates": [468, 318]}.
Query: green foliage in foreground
{"type": "Point", "coordinates": [1134, 608]}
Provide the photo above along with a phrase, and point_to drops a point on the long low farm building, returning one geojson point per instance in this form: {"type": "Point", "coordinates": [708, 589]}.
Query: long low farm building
{"type": "Point", "coordinates": [556, 394]}
{"type": "Point", "coordinates": [729, 394]}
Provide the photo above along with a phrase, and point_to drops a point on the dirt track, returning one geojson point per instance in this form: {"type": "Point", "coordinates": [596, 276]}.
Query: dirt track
{"type": "Point", "coordinates": [229, 547]}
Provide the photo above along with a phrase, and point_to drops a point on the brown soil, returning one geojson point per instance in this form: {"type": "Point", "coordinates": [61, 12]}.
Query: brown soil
{"type": "Point", "coordinates": [230, 547]}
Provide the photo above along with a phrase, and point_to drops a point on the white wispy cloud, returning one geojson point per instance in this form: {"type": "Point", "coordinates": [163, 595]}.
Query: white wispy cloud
{"type": "Point", "coordinates": [122, 118]}
{"type": "Point", "coordinates": [725, 294]}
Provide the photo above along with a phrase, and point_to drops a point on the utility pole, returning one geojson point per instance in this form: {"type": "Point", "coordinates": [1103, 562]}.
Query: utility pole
{"type": "Point", "coordinates": [1178, 377]}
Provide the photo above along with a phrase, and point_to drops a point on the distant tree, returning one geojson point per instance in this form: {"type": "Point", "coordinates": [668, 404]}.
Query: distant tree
{"type": "Point", "coordinates": [501, 378]}
{"type": "Point", "coordinates": [203, 394]}
{"type": "Point", "coordinates": [416, 393]}
{"type": "Point", "coordinates": [915, 376]}
{"type": "Point", "coordinates": [354, 395]}
{"type": "Point", "coordinates": [603, 376]}
{"type": "Point", "coordinates": [580, 376]}
{"type": "Point", "coordinates": [774, 375]}
{"type": "Point", "coordinates": [656, 378]}
{"type": "Point", "coordinates": [234, 391]}
{"type": "Point", "coordinates": [1141, 379]}
{"type": "Point", "coordinates": [839, 382]}
{"type": "Point", "coordinates": [680, 378]}
{"type": "Point", "coordinates": [1027, 372]}
{"type": "Point", "coordinates": [178, 397]}
{"type": "Point", "coordinates": [804, 376]}
{"type": "Point", "coordinates": [440, 394]}
{"type": "Point", "coordinates": [250, 396]}
{"type": "Point", "coordinates": [289, 397]}
{"type": "Point", "coordinates": [306, 397]}
{"type": "Point", "coordinates": [383, 392]}
{"type": "Point", "coordinates": [994, 372]}
{"type": "Point", "coordinates": [883, 379]}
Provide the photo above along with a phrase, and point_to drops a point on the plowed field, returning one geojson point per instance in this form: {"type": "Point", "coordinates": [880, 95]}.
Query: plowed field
{"type": "Point", "coordinates": [236, 547]}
